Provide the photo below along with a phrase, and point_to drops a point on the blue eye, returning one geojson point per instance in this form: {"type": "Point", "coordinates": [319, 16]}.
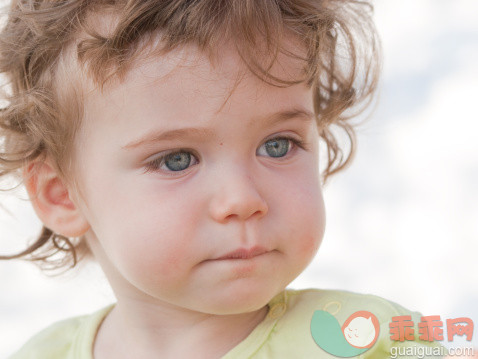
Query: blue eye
{"type": "Point", "coordinates": [277, 147]}
{"type": "Point", "coordinates": [177, 161]}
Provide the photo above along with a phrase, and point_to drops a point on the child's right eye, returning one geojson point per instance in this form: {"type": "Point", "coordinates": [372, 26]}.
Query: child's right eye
{"type": "Point", "coordinates": [172, 162]}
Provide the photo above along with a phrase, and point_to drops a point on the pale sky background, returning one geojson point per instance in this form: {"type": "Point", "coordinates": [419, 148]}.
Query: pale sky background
{"type": "Point", "coordinates": [402, 222]}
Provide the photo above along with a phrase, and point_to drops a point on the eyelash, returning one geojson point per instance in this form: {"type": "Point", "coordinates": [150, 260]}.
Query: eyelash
{"type": "Point", "coordinates": [154, 165]}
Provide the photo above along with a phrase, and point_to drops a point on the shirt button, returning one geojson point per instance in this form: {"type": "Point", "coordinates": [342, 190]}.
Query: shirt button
{"type": "Point", "coordinates": [277, 310]}
{"type": "Point", "coordinates": [332, 307]}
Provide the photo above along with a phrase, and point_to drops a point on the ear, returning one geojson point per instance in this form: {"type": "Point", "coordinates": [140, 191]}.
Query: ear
{"type": "Point", "coordinates": [52, 202]}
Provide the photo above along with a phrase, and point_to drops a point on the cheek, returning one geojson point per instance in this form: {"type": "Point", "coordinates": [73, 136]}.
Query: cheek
{"type": "Point", "coordinates": [310, 224]}
{"type": "Point", "coordinates": [304, 212]}
{"type": "Point", "coordinates": [167, 222]}
{"type": "Point", "coordinates": [149, 231]}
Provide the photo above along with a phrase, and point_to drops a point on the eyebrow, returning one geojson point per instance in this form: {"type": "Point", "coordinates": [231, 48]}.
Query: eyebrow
{"type": "Point", "coordinates": [203, 133]}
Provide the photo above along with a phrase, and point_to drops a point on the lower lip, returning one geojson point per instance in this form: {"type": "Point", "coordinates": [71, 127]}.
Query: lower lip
{"type": "Point", "coordinates": [239, 261]}
{"type": "Point", "coordinates": [240, 268]}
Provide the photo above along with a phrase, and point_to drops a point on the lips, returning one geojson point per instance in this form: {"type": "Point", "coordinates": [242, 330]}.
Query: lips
{"type": "Point", "coordinates": [244, 253]}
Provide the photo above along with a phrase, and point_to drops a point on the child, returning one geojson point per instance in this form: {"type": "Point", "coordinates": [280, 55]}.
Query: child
{"type": "Point", "coordinates": [176, 142]}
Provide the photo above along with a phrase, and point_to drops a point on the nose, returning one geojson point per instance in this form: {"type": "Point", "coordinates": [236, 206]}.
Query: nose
{"type": "Point", "coordinates": [236, 196]}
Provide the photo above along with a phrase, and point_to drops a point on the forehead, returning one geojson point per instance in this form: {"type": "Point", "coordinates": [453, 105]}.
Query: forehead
{"type": "Point", "coordinates": [188, 71]}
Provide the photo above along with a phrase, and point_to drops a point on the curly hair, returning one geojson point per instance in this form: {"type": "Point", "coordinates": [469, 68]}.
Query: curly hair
{"type": "Point", "coordinates": [341, 63]}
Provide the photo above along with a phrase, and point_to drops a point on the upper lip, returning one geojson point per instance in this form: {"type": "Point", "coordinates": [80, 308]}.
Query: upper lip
{"type": "Point", "coordinates": [244, 253]}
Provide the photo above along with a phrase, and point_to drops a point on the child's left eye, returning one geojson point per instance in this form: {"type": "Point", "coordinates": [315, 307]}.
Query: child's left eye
{"type": "Point", "coordinates": [278, 147]}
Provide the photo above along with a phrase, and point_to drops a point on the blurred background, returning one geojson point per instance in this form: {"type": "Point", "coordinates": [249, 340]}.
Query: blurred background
{"type": "Point", "coordinates": [402, 221]}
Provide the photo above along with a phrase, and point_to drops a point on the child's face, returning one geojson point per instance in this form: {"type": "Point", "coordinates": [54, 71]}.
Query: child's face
{"type": "Point", "coordinates": [237, 180]}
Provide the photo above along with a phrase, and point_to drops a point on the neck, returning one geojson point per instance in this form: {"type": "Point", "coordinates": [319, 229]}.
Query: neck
{"type": "Point", "coordinates": [136, 329]}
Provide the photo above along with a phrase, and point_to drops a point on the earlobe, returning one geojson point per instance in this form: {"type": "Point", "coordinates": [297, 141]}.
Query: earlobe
{"type": "Point", "coordinates": [51, 200]}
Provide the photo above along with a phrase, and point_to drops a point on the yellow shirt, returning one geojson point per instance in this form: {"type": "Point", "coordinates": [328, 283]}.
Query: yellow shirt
{"type": "Point", "coordinates": [284, 333]}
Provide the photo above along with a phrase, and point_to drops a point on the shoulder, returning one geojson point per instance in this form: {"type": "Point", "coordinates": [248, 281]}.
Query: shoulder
{"type": "Point", "coordinates": [52, 342]}
{"type": "Point", "coordinates": [296, 312]}
{"type": "Point", "coordinates": [62, 338]}
{"type": "Point", "coordinates": [343, 303]}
